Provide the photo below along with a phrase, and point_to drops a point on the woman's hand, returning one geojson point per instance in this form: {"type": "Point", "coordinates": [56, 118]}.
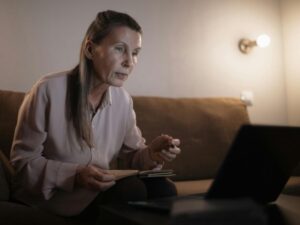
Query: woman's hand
{"type": "Point", "coordinates": [164, 148]}
{"type": "Point", "coordinates": [93, 177]}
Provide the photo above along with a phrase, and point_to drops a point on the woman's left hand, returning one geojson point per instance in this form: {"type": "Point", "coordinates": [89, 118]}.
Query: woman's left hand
{"type": "Point", "coordinates": [164, 148]}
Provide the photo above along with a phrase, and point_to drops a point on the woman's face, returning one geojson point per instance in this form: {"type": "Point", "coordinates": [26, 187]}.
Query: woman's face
{"type": "Point", "coordinates": [116, 55]}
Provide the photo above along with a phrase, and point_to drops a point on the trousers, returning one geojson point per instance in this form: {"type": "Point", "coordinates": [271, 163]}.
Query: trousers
{"type": "Point", "coordinates": [130, 189]}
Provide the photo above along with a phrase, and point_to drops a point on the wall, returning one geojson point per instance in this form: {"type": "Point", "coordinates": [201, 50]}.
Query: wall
{"type": "Point", "coordinates": [189, 47]}
{"type": "Point", "coordinates": [291, 36]}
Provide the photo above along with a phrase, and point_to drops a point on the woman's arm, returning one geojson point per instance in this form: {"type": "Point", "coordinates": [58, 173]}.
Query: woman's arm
{"type": "Point", "coordinates": [35, 173]}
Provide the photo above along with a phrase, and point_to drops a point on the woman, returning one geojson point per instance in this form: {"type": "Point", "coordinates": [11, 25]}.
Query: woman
{"type": "Point", "coordinates": [72, 124]}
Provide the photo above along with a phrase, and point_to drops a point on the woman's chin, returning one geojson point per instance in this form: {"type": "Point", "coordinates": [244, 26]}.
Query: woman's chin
{"type": "Point", "coordinates": [117, 83]}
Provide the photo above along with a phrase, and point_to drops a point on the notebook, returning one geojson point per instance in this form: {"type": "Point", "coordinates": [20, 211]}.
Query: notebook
{"type": "Point", "coordinates": [258, 165]}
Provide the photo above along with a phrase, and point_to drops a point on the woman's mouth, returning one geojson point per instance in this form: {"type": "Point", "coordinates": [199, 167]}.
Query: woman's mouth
{"type": "Point", "coordinates": [121, 76]}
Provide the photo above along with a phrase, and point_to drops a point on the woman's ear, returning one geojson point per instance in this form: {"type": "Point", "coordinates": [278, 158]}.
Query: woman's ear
{"type": "Point", "coordinates": [88, 50]}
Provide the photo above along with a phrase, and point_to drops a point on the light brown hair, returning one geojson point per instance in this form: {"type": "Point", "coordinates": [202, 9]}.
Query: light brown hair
{"type": "Point", "coordinates": [79, 79]}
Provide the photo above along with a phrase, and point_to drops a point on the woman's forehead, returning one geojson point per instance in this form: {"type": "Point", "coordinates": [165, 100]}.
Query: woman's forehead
{"type": "Point", "coordinates": [124, 34]}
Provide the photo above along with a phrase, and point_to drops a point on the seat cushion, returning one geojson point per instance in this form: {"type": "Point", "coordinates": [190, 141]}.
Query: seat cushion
{"type": "Point", "coordinates": [293, 186]}
{"type": "Point", "coordinates": [193, 187]}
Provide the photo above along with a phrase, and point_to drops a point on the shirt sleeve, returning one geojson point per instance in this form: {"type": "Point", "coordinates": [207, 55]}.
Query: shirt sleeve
{"type": "Point", "coordinates": [37, 174]}
{"type": "Point", "coordinates": [134, 148]}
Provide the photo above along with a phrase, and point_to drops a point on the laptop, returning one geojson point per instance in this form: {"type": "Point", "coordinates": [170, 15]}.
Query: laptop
{"type": "Point", "coordinates": [257, 166]}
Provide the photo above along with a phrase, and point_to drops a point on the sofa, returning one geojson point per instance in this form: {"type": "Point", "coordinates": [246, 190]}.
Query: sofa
{"type": "Point", "coordinates": [205, 126]}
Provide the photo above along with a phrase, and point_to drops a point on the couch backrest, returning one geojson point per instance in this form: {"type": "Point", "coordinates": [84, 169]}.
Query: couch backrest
{"type": "Point", "coordinates": [205, 126]}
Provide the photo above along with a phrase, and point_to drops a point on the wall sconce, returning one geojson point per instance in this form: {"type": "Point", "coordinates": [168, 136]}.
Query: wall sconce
{"type": "Point", "coordinates": [246, 45]}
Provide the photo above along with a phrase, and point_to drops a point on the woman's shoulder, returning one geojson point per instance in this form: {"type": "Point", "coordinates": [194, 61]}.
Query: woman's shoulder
{"type": "Point", "coordinates": [59, 77]}
{"type": "Point", "coordinates": [52, 80]}
{"type": "Point", "coordinates": [50, 83]}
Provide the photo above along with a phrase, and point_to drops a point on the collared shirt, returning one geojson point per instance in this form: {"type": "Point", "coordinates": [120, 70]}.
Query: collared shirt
{"type": "Point", "coordinates": [46, 151]}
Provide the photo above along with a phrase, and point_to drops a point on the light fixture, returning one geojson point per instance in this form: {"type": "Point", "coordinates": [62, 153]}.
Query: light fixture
{"type": "Point", "coordinates": [246, 45]}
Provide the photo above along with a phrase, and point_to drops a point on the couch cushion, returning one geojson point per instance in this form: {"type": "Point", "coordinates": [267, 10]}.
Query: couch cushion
{"type": "Point", "coordinates": [193, 187]}
{"type": "Point", "coordinates": [205, 126]}
{"type": "Point", "coordinates": [9, 106]}
{"type": "Point", "coordinates": [293, 186]}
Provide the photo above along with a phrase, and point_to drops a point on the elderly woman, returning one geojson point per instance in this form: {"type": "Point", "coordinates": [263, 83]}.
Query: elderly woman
{"type": "Point", "coordinates": [72, 124]}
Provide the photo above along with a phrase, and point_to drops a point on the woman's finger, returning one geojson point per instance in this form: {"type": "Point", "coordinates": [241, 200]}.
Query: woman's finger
{"type": "Point", "coordinates": [104, 176]}
{"type": "Point", "coordinates": [175, 150]}
{"type": "Point", "coordinates": [176, 142]}
{"type": "Point", "coordinates": [168, 156]}
{"type": "Point", "coordinates": [101, 186]}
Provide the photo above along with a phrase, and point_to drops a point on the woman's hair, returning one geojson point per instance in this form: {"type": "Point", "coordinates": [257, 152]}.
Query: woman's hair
{"type": "Point", "coordinates": [79, 79]}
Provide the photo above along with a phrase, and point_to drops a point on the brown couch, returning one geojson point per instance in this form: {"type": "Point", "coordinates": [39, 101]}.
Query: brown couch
{"type": "Point", "coordinates": [205, 126]}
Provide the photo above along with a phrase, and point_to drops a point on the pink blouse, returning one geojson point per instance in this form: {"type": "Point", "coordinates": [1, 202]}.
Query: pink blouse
{"type": "Point", "coordinates": [46, 152]}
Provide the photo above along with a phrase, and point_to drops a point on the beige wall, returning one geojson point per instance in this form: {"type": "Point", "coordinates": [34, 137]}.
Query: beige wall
{"type": "Point", "coordinates": [291, 41]}
{"type": "Point", "coordinates": [189, 50]}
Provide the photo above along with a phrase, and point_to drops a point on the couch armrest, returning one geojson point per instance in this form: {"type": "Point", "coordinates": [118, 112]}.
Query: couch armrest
{"type": "Point", "coordinates": [9, 170]}
{"type": "Point", "coordinates": [4, 178]}
{"type": "Point", "coordinates": [10, 102]}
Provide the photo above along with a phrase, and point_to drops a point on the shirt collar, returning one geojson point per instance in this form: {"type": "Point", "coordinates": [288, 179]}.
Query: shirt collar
{"type": "Point", "coordinates": [107, 100]}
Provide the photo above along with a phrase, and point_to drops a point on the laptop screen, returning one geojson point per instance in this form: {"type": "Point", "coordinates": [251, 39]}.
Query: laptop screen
{"type": "Point", "coordinates": [259, 163]}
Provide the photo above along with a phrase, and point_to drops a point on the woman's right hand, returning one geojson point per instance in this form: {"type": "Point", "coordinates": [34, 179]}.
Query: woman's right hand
{"type": "Point", "coordinates": [94, 178]}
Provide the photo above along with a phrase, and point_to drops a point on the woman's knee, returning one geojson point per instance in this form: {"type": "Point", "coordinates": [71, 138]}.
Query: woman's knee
{"type": "Point", "coordinates": [160, 187]}
{"type": "Point", "coordinates": [127, 189]}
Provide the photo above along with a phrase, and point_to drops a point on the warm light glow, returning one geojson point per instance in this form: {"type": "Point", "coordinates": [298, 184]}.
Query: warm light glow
{"type": "Point", "coordinates": [263, 41]}
{"type": "Point", "coordinates": [246, 45]}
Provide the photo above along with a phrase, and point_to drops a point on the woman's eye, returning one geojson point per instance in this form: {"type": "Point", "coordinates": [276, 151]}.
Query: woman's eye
{"type": "Point", "coordinates": [135, 53]}
{"type": "Point", "coordinates": [120, 49]}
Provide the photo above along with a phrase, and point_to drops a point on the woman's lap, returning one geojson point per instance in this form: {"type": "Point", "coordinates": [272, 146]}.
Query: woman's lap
{"type": "Point", "coordinates": [136, 189]}
{"type": "Point", "coordinates": [131, 189]}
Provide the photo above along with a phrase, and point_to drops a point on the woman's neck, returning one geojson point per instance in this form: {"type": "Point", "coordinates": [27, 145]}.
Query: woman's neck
{"type": "Point", "coordinates": [97, 93]}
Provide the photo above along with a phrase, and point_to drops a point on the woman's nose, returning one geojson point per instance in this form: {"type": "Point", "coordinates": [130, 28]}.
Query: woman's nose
{"type": "Point", "coordinates": [128, 61]}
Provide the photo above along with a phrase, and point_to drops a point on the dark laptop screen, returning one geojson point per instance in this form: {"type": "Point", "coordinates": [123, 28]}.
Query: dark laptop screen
{"type": "Point", "coordinates": [258, 164]}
